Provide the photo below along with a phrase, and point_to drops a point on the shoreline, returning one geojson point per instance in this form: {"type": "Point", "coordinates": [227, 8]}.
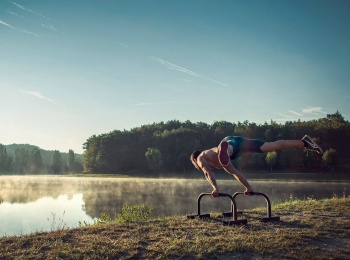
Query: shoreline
{"type": "Point", "coordinates": [266, 177]}
{"type": "Point", "coordinates": [307, 228]}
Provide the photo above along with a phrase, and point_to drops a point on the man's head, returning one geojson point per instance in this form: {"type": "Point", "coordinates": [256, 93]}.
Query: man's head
{"type": "Point", "coordinates": [194, 157]}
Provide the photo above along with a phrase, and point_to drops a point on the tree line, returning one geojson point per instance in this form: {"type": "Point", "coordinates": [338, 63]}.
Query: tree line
{"type": "Point", "coordinates": [29, 159]}
{"type": "Point", "coordinates": [166, 147]}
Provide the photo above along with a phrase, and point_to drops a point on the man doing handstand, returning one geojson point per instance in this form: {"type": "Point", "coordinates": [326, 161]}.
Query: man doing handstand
{"type": "Point", "coordinates": [231, 147]}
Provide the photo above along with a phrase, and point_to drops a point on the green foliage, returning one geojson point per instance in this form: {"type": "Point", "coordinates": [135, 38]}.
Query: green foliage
{"type": "Point", "coordinates": [20, 161]}
{"type": "Point", "coordinates": [35, 161]}
{"type": "Point", "coordinates": [129, 214]}
{"type": "Point", "coordinates": [30, 159]}
{"type": "Point", "coordinates": [56, 162]}
{"type": "Point", "coordinates": [3, 158]}
{"type": "Point", "coordinates": [24, 160]}
{"type": "Point", "coordinates": [103, 219]}
{"type": "Point", "coordinates": [330, 158]}
{"type": "Point", "coordinates": [118, 151]}
{"type": "Point", "coordinates": [136, 213]}
{"type": "Point", "coordinates": [271, 158]}
{"type": "Point", "coordinates": [154, 158]}
{"type": "Point", "coordinates": [70, 161]}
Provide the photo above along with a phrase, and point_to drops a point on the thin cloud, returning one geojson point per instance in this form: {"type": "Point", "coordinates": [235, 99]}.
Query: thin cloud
{"type": "Point", "coordinates": [49, 26]}
{"type": "Point", "coordinates": [19, 30]}
{"type": "Point", "coordinates": [175, 67]}
{"type": "Point", "coordinates": [28, 32]}
{"type": "Point", "coordinates": [27, 9]}
{"type": "Point", "coordinates": [6, 24]}
{"type": "Point", "coordinates": [295, 113]}
{"type": "Point", "coordinates": [306, 114]}
{"type": "Point", "coordinates": [151, 104]}
{"type": "Point", "coordinates": [291, 119]}
{"type": "Point", "coordinates": [313, 110]}
{"type": "Point", "coordinates": [15, 14]}
{"type": "Point", "coordinates": [187, 80]}
{"type": "Point", "coordinates": [21, 7]}
{"type": "Point", "coordinates": [142, 104]}
{"type": "Point", "coordinates": [284, 115]}
{"type": "Point", "coordinates": [121, 44]}
{"type": "Point", "coordinates": [37, 94]}
{"type": "Point", "coordinates": [31, 11]}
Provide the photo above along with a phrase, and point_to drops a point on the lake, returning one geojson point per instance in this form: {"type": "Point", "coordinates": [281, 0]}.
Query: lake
{"type": "Point", "coordinates": [45, 203]}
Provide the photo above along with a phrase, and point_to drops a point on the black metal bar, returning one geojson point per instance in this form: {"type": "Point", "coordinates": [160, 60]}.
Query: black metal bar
{"type": "Point", "coordinates": [233, 203]}
{"type": "Point", "coordinates": [234, 220]}
{"type": "Point", "coordinates": [199, 202]}
{"type": "Point", "coordinates": [257, 194]}
{"type": "Point", "coordinates": [269, 217]}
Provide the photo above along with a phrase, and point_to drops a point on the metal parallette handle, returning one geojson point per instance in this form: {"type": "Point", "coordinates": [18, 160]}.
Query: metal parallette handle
{"type": "Point", "coordinates": [233, 203]}
{"type": "Point", "coordinates": [268, 206]}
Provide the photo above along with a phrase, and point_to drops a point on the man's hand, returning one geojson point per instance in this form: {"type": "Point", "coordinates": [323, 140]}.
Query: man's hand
{"type": "Point", "coordinates": [248, 192]}
{"type": "Point", "coordinates": [215, 193]}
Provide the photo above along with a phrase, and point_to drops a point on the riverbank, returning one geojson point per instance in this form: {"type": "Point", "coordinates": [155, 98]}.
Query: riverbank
{"type": "Point", "coordinates": [309, 229]}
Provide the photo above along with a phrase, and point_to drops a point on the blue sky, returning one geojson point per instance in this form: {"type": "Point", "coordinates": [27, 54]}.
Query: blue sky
{"type": "Point", "coordinates": [72, 69]}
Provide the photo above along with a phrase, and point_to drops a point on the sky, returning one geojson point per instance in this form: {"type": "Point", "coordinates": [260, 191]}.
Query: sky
{"type": "Point", "coordinates": [73, 69]}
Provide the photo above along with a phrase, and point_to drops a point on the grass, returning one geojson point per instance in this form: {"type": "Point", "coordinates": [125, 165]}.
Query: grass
{"type": "Point", "coordinates": [309, 229]}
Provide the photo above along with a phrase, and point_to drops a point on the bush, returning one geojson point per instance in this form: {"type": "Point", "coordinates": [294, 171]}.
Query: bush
{"type": "Point", "coordinates": [137, 213]}
{"type": "Point", "coordinates": [129, 214]}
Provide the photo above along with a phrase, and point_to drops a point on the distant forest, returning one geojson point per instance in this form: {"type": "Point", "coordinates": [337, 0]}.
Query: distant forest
{"type": "Point", "coordinates": [30, 159]}
{"type": "Point", "coordinates": [165, 148]}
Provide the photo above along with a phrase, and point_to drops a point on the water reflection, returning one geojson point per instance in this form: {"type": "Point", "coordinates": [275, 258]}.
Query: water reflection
{"type": "Point", "coordinates": [44, 214]}
{"type": "Point", "coordinates": [29, 202]}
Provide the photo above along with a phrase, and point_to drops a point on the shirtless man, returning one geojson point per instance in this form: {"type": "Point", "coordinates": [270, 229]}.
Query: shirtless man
{"type": "Point", "coordinates": [231, 147]}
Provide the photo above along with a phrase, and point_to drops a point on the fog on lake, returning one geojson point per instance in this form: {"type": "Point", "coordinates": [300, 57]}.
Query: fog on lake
{"type": "Point", "coordinates": [44, 203]}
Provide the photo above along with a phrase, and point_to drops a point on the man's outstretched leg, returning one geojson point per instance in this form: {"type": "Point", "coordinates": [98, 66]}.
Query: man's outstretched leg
{"type": "Point", "coordinates": [306, 142]}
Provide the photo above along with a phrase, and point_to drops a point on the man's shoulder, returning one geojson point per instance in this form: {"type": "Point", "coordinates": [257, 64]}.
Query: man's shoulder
{"type": "Point", "coordinates": [209, 151]}
{"type": "Point", "coordinates": [204, 155]}
{"type": "Point", "coordinates": [207, 158]}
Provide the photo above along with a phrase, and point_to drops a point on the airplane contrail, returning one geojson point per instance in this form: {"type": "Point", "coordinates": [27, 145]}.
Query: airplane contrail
{"type": "Point", "coordinates": [184, 70]}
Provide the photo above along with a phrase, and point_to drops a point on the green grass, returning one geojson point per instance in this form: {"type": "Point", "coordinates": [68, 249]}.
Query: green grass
{"type": "Point", "coordinates": [309, 229]}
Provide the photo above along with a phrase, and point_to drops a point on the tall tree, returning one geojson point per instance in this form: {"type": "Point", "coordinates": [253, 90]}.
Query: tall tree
{"type": "Point", "coordinates": [56, 162]}
{"type": "Point", "coordinates": [3, 158]}
{"type": "Point", "coordinates": [92, 147]}
{"type": "Point", "coordinates": [154, 159]}
{"type": "Point", "coordinates": [21, 160]}
{"type": "Point", "coordinates": [271, 158]}
{"type": "Point", "coordinates": [35, 161]}
{"type": "Point", "coordinates": [329, 158]}
{"type": "Point", "coordinates": [71, 161]}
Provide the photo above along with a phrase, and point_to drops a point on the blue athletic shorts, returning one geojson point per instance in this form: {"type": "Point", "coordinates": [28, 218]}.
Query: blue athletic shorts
{"type": "Point", "coordinates": [243, 145]}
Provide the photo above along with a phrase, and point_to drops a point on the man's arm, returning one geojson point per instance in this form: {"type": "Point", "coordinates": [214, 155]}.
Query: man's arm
{"type": "Point", "coordinates": [239, 176]}
{"type": "Point", "coordinates": [211, 179]}
{"type": "Point", "coordinates": [208, 173]}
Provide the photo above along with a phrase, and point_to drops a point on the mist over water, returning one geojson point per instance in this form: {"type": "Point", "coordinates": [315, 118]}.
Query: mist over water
{"type": "Point", "coordinates": [43, 203]}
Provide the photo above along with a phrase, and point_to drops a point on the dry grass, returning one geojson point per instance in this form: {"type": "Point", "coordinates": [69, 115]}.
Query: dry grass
{"type": "Point", "coordinates": [309, 229]}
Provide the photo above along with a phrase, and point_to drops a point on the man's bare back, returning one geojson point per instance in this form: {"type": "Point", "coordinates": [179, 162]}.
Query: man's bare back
{"type": "Point", "coordinates": [209, 158]}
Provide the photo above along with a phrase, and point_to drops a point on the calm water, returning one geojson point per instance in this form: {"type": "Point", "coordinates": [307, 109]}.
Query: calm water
{"type": "Point", "coordinates": [45, 203]}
